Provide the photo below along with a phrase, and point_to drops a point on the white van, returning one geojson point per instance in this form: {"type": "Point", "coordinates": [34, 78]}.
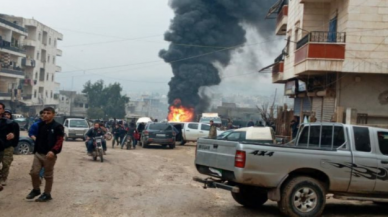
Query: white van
{"type": "Point", "coordinates": [75, 128]}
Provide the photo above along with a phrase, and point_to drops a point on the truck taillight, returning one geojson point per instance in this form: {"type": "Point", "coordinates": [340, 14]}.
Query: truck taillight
{"type": "Point", "coordinates": [239, 160]}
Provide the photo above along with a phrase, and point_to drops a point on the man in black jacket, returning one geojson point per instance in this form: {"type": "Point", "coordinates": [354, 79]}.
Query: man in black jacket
{"type": "Point", "coordinates": [6, 134]}
{"type": "Point", "coordinates": [47, 146]}
{"type": "Point", "coordinates": [9, 148]}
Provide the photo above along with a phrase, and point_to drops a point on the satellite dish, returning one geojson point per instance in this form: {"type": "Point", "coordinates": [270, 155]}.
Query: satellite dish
{"type": "Point", "coordinates": [383, 98]}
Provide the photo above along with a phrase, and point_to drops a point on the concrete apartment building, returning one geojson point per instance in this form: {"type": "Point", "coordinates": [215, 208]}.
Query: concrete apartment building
{"type": "Point", "coordinates": [335, 63]}
{"type": "Point", "coordinates": [72, 103]}
{"type": "Point", "coordinates": [36, 54]}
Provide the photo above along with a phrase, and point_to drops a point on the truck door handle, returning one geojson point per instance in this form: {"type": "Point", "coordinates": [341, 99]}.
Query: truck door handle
{"type": "Point", "coordinates": [384, 162]}
{"type": "Point", "coordinates": [187, 130]}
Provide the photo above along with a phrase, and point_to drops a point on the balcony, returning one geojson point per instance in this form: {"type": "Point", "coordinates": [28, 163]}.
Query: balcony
{"type": "Point", "coordinates": [5, 96]}
{"type": "Point", "coordinates": [58, 68]}
{"type": "Point", "coordinates": [29, 43]}
{"type": "Point", "coordinates": [278, 70]}
{"type": "Point", "coordinates": [282, 19]}
{"type": "Point", "coordinates": [26, 62]}
{"type": "Point", "coordinates": [59, 52]}
{"type": "Point", "coordinates": [12, 47]}
{"type": "Point", "coordinates": [13, 25]}
{"type": "Point", "coordinates": [320, 51]}
{"type": "Point", "coordinates": [15, 72]}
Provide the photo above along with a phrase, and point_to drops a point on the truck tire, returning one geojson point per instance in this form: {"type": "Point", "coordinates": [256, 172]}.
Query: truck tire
{"type": "Point", "coordinates": [302, 197]}
{"type": "Point", "coordinates": [250, 198]}
{"type": "Point", "coordinates": [171, 146]}
{"type": "Point", "coordinates": [183, 142]}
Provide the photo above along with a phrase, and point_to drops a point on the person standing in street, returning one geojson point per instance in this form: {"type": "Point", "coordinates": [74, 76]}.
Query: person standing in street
{"type": "Point", "coordinates": [213, 130]}
{"type": "Point", "coordinates": [9, 148]}
{"type": "Point", "coordinates": [251, 123]}
{"type": "Point", "coordinates": [116, 135]}
{"type": "Point", "coordinates": [48, 145]}
{"type": "Point", "coordinates": [294, 126]}
{"type": "Point", "coordinates": [6, 134]}
{"type": "Point", "coordinates": [33, 132]}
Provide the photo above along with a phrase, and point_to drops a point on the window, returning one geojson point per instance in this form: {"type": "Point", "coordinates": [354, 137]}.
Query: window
{"type": "Point", "coordinates": [79, 124]}
{"type": "Point", "coordinates": [48, 58]}
{"type": "Point", "coordinates": [35, 94]}
{"type": "Point", "coordinates": [205, 127]}
{"type": "Point", "coordinates": [52, 94]}
{"type": "Point", "coordinates": [193, 126]}
{"type": "Point", "coordinates": [49, 41]}
{"type": "Point", "coordinates": [53, 60]}
{"type": "Point", "coordinates": [47, 77]}
{"type": "Point", "coordinates": [233, 136]}
{"type": "Point", "coordinates": [383, 142]}
{"type": "Point", "coordinates": [67, 123]}
{"type": "Point", "coordinates": [46, 94]}
{"type": "Point", "coordinates": [331, 137]}
{"type": "Point", "coordinates": [39, 36]}
{"type": "Point", "coordinates": [86, 105]}
{"type": "Point", "coordinates": [52, 77]}
{"type": "Point", "coordinates": [37, 55]}
{"type": "Point", "coordinates": [55, 43]}
{"type": "Point", "coordinates": [157, 126]}
{"type": "Point", "coordinates": [36, 75]}
{"type": "Point", "coordinates": [362, 139]}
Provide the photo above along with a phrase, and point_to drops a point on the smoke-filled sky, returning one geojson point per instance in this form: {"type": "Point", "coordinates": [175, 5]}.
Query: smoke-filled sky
{"type": "Point", "coordinates": [125, 36]}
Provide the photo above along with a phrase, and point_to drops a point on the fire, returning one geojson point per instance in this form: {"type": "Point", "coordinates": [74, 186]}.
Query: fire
{"type": "Point", "coordinates": [179, 113]}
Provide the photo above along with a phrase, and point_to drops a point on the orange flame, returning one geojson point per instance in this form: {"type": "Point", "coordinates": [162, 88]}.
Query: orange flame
{"type": "Point", "coordinates": [179, 113]}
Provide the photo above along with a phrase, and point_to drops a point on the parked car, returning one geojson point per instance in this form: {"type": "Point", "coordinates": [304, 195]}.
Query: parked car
{"type": "Point", "coordinates": [159, 133]}
{"type": "Point", "coordinates": [75, 128]}
{"type": "Point", "coordinates": [191, 131]}
{"type": "Point", "coordinates": [21, 121]}
{"type": "Point", "coordinates": [25, 146]}
{"type": "Point", "coordinates": [345, 160]}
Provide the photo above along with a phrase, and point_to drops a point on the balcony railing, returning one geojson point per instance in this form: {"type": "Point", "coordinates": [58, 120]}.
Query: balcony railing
{"type": "Point", "coordinates": [322, 37]}
{"type": "Point", "coordinates": [14, 70]}
{"type": "Point", "coordinates": [9, 46]}
{"type": "Point", "coordinates": [9, 23]}
{"type": "Point", "coordinates": [28, 62]}
{"type": "Point", "coordinates": [279, 58]}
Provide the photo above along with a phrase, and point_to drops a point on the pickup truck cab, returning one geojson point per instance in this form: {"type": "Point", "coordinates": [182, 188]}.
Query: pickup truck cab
{"type": "Point", "coordinates": [191, 131]}
{"type": "Point", "coordinates": [259, 135]}
{"type": "Point", "coordinates": [75, 128]}
{"type": "Point", "coordinates": [348, 161]}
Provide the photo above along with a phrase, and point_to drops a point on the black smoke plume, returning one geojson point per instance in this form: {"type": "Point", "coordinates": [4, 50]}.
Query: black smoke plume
{"type": "Point", "coordinates": [204, 32]}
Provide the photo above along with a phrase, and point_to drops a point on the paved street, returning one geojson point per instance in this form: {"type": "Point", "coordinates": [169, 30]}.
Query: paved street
{"type": "Point", "coordinates": [141, 182]}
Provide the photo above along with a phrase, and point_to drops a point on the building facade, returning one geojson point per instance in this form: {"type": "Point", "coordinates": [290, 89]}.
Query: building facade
{"type": "Point", "coordinates": [38, 46]}
{"type": "Point", "coordinates": [335, 63]}
{"type": "Point", "coordinates": [72, 104]}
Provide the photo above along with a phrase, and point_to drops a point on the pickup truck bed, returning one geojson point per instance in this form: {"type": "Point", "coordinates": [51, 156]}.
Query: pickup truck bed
{"type": "Point", "coordinates": [326, 158]}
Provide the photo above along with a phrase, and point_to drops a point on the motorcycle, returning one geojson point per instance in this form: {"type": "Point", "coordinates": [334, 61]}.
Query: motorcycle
{"type": "Point", "coordinates": [127, 140]}
{"type": "Point", "coordinates": [98, 150]}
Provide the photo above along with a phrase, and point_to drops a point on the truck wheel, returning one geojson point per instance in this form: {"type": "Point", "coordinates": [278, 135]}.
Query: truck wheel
{"type": "Point", "coordinates": [302, 196]}
{"type": "Point", "coordinates": [171, 146]}
{"type": "Point", "coordinates": [183, 142]}
{"type": "Point", "coordinates": [250, 198]}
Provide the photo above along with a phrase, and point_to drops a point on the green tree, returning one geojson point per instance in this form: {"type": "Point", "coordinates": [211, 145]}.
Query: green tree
{"type": "Point", "coordinates": [105, 100]}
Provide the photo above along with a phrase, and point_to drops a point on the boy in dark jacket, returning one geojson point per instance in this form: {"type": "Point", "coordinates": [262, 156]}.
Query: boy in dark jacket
{"type": "Point", "coordinates": [48, 145]}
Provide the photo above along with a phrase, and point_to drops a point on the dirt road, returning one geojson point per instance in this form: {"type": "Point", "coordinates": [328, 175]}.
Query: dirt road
{"type": "Point", "coordinates": [141, 182]}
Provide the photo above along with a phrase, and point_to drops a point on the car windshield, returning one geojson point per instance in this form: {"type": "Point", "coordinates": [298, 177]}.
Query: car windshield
{"type": "Point", "coordinates": [208, 119]}
{"type": "Point", "coordinates": [160, 127]}
{"type": "Point", "coordinates": [79, 123]}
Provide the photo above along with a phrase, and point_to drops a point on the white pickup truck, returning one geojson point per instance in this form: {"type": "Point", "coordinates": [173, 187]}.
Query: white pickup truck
{"type": "Point", "coordinates": [348, 161]}
{"type": "Point", "coordinates": [192, 131]}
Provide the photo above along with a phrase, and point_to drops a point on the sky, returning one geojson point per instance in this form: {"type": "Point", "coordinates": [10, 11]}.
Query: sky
{"type": "Point", "coordinates": [119, 41]}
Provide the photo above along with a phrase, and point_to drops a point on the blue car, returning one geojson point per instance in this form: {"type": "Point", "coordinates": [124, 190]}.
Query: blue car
{"type": "Point", "coordinates": [25, 146]}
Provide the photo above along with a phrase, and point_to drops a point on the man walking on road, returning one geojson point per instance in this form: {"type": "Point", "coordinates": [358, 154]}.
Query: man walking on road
{"type": "Point", "coordinates": [8, 148]}
{"type": "Point", "coordinates": [48, 144]}
{"type": "Point", "coordinates": [6, 134]}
